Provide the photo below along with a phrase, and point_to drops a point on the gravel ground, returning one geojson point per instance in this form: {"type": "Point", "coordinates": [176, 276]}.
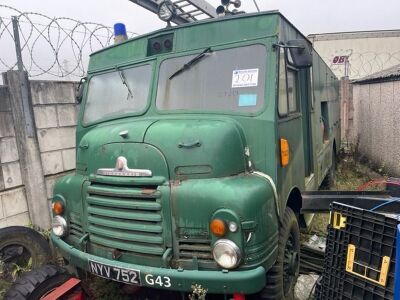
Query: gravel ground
{"type": "Point", "coordinates": [305, 286]}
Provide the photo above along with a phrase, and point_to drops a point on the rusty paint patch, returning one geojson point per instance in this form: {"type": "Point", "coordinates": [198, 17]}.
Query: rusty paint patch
{"type": "Point", "coordinates": [148, 191]}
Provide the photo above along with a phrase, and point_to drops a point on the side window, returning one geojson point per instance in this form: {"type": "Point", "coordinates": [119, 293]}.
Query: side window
{"type": "Point", "coordinates": [292, 90]}
{"type": "Point", "coordinates": [287, 102]}
{"type": "Point", "coordinates": [282, 101]}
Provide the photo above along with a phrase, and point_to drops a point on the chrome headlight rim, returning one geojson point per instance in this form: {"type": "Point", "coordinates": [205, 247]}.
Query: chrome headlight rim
{"type": "Point", "coordinates": [235, 249]}
{"type": "Point", "coordinates": [59, 221]}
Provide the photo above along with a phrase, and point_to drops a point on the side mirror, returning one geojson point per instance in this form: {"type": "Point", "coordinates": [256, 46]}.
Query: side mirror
{"type": "Point", "coordinates": [299, 54]}
{"type": "Point", "coordinates": [79, 90]}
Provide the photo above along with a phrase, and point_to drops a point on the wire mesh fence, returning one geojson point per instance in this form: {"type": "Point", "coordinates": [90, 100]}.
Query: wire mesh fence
{"type": "Point", "coordinates": [52, 47]}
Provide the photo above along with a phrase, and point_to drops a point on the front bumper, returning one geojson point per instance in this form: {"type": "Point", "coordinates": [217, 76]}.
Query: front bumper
{"type": "Point", "coordinates": [218, 282]}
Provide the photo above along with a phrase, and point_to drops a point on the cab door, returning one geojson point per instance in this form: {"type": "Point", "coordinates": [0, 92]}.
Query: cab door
{"type": "Point", "coordinates": [291, 171]}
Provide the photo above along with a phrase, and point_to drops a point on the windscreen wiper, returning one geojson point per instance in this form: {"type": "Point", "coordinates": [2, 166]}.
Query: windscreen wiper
{"type": "Point", "coordinates": [124, 82]}
{"type": "Point", "coordinates": [191, 62]}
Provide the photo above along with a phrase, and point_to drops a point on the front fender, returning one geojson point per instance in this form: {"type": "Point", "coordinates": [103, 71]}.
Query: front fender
{"type": "Point", "coordinates": [247, 196]}
{"type": "Point", "coordinates": [69, 188]}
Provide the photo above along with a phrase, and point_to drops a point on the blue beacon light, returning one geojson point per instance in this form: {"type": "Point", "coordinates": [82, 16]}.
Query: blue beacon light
{"type": "Point", "coordinates": [119, 33]}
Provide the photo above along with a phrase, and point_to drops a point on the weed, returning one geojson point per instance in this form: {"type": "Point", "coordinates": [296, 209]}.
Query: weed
{"type": "Point", "coordinates": [18, 270]}
{"type": "Point", "coordinates": [199, 293]}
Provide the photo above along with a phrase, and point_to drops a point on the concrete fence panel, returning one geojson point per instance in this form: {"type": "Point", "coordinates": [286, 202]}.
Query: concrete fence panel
{"type": "Point", "coordinates": [30, 164]}
{"type": "Point", "coordinates": [376, 123]}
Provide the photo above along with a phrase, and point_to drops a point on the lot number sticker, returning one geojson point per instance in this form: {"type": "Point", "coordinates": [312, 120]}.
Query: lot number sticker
{"type": "Point", "coordinates": [244, 78]}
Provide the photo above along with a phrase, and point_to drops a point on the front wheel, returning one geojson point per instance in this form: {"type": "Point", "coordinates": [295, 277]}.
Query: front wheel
{"type": "Point", "coordinates": [38, 283]}
{"type": "Point", "coordinates": [282, 277]}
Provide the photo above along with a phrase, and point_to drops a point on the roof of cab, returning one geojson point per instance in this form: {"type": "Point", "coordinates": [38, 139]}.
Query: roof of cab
{"type": "Point", "coordinates": [225, 18]}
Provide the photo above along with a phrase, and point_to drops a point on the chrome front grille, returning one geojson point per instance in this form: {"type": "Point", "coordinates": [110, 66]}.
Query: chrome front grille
{"type": "Point", "coordinates": [126, 216]}
{"type": "Point", "coordinates": [75, 225]}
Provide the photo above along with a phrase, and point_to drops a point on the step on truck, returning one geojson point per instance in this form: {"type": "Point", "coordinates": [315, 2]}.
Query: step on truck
{"type": "Point", "coordinates": [194, 144]}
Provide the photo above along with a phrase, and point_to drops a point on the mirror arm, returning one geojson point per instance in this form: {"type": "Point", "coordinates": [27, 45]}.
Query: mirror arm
{"type": "Point", "coordinates": [78, 96]}
{"type": "Point", "coordinates": [281, 45]}
{"type": "Point", "coordinates": [82, 80]}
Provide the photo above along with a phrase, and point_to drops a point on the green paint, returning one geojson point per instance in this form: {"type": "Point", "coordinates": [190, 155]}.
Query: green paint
{"type": "Point", "coordinates": [200, 169]}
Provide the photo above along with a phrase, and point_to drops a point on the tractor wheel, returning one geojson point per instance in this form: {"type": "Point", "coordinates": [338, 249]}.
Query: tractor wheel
{"type": "Point", "coordinates": [282, 277]}
{"type": "Point", "coordinates": [21, 249]}
{"type": "Point", "coordinates": [38, 283]}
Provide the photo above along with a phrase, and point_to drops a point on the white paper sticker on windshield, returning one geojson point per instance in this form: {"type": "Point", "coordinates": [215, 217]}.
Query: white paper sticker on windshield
{"type": "Point", "coordinates": [244, 78]}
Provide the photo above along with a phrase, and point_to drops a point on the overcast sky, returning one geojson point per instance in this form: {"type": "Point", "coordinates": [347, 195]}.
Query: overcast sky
{"type": "Point", "coordinates": [310, 16]}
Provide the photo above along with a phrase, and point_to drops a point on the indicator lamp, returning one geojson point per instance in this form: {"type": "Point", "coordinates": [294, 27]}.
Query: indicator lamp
{"type": "Point", "coordinates": [168, 44]}
{"type": "Point", "coordinates": [232, 226]}
{"type": "Point", "coordinates": [218, 227]}
{"type": "Point", "coordinates": [156, 46]}
{"type": "Point", "coordinates": [285, 152]}
{"type": "Point", "coordinates": [57, 207]}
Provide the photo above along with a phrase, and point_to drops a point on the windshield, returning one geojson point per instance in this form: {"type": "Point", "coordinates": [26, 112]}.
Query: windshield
{"type": "Point", "coordinates": [117, 93]}
{"type": "Point", "coordinates": [224, 80]}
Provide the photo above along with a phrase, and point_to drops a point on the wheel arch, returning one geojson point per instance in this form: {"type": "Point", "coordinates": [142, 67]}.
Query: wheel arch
{"type": "Point", "coordinates": [295, 202]}
{"type": "Point", "coordinates": [334, 147]}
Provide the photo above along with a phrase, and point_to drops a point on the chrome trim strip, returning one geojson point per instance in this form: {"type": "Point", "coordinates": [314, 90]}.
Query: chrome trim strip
{"type": "Point", "coordinates": [121, 169]}
{"type": "Point", "coordinates": [273, 186]}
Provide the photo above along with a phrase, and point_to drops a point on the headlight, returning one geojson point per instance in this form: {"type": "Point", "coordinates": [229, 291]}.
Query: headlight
{"type": "Point", "coordinates": [59, 226]}
{"type": "Point", "coordinates": [226, 253]}
{"type": "Point", "coordinates": [166, 10]}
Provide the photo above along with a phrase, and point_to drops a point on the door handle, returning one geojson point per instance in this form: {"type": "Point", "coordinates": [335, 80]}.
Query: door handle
{"type": "Point", "coordinates": [189, 145]}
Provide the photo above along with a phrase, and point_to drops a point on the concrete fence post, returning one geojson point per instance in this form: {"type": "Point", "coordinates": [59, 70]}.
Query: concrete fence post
{"type": "Point", "coordinates": [345, 99]}
{"type": "Point", "coordinates": [28, 149]}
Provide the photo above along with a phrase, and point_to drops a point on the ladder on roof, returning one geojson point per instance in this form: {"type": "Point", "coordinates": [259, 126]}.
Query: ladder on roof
{"type": "Point", "coordinates": [187, 10]}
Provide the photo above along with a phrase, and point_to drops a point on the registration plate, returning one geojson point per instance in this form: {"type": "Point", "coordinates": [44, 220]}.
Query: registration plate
{"type": "Point", "coordinates": [129, 276]}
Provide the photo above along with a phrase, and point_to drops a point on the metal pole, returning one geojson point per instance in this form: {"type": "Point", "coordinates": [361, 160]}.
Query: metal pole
{"type": "Point", "coordinates": [255, 3]}
{"type": "Point", "coordinates": [346, 67]}
{"type": "Point", "coordinates": [23, 79]}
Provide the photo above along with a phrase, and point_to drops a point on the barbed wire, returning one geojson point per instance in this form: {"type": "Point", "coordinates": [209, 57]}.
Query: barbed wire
{"type": "Point", "coordinates": [366, 63]}
{"type": "Point", "coordinates": [51, 46]}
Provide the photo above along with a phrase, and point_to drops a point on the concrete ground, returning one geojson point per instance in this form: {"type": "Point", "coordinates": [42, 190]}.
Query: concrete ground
{"type": "Point", "coordinates": [305, 286]}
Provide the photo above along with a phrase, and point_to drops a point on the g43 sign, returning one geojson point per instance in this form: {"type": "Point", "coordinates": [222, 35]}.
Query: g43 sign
{"type": "Point", "coordinates": [340, 60]}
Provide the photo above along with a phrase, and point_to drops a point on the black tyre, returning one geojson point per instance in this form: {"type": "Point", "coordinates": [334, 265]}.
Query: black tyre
{"type": "Point", "coordinates": [282, 277]}
{"type": "Point", "coordinates": [22, 248]}
{"type": "Point", "coordinates": [37, 283]}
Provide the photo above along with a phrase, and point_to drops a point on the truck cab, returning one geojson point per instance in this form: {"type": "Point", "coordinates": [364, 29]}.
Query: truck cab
{"type": "Point", "coordinates": [194, 144]}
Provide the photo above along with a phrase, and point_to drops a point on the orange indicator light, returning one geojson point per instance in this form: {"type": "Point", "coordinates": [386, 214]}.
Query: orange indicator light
{"type": "Point", "coordinates": [284, 152]}
{"type": "Point", "coordinates": [218, 227]}
{"type": "Point", "coordinates": [58, 208]}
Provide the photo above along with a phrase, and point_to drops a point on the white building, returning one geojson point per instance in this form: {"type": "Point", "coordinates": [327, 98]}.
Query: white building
{"type": "Point", "coordinates": [358, 54]}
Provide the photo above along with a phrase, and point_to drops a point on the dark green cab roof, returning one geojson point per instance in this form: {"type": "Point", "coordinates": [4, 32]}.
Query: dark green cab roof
{"type": "Point", "coordinates": [197, 35]}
